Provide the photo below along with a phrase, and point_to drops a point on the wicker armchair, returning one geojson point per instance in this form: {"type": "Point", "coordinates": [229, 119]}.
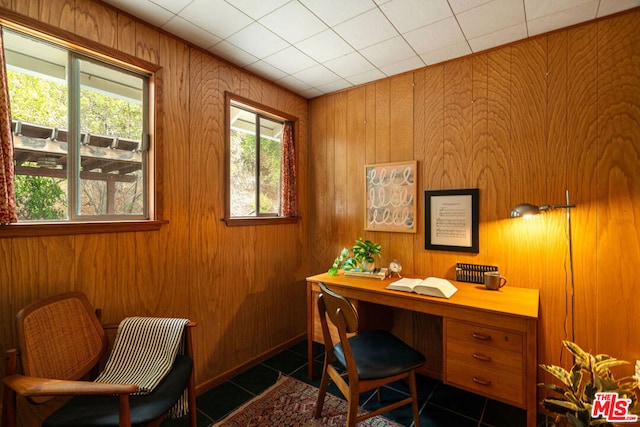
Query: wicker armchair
{"type": "Point", "coordinates": [61, 342]}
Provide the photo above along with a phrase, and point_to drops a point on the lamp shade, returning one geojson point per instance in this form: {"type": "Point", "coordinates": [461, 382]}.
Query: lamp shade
{"type": "Point", "coordinates": [524, 209]}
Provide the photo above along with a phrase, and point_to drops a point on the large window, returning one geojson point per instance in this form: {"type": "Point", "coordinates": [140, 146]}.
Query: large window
{"type": "Point", "coordinates": [80, 130]}
{"type": "Point", "coordinates": [254, 161]}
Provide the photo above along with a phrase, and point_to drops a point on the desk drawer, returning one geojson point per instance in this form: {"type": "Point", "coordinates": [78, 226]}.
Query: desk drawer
{"type": "Point", "coordinates": [478, 333]}
{"type": "Point", "coordinates": [485, 360]}
{"type": "Point", "coordinates": [493, 383]}
{"type": "Point", "coordinates": [484, 357]}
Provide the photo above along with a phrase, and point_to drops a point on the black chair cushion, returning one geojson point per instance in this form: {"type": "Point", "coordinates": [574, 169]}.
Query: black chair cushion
{"type": "Point", "coordinates": [380, 354]}
{"type": "Point", "coordinates": [102, 411]}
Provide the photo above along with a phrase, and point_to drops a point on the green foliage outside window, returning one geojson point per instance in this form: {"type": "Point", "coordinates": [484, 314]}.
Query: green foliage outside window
{"type": "Point", "coordinates": [40, 198]}
{"type": "Point", "coordinates": [44, 102]}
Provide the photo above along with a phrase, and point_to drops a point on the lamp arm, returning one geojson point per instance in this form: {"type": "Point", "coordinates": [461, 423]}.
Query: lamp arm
{"type": "Point", "coordinates": [544, 208]}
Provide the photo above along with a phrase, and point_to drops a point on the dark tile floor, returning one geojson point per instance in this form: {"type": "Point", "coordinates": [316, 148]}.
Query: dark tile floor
{"type": "Point", "coordinates": [440, 405]}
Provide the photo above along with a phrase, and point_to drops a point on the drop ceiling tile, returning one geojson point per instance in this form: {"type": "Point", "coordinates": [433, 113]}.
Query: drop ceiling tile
{"type": "Point", "coordinates": [256, 9]}
{"type": "Point", "coordinates": [216, 16]}
{"type": "Point", "coordinates": [173, 6]}
{"type": "Point", "coordinates": [398, 67]}
{"type": "Point", "coordinates": [258, 41]}
{"type": "Point", "coordinates": [333, 12]}
{"type": "Point", "coordinates": [538, 8]}
{"type": "Point", "coordinates": [144, 9]}
{"type": "Point", "coordinates": [266, 70]}
{"type": "Point", "coordinates": [324, 46]}
{"type": "Point", "coordinates": [407, 15]}
{"type": "Point", "coordinates": [293, 22]}
{"type": "Point", "coordinates": [191, 32]}
{"type": "Point", "coordinates": [435, 36]}
{"type": "Point", "coordinates": [349, 65]}
{"type": "Point", "coordinates": [292, 83]}
{"type": "Point", "coordinates": [366, 77]}
{"type": "Point", "coordinates": [561, 19]}
{"type": "Point", "coordinates": [291, 60]}
{"type": "Point", "coordinates": [388, 52]}
{"type": "Point", "coordinates": [315, 76]}
{"type": "Point", "coordinates": [233, 54]}
{"type": "Point", "coordinates": [607, 7]}
{"type": "Point", "coordinates": [444, 54]}
{"type": "Point", "coordinates": [504, 36]}
{"type": "Point", "coordinates": [310, 93]}
{"type": "Point", "coordinates": [491, 17]}
{"type": "Point", "coordinates": [335, 86]}
{"type": "Point", "coordinates": [367, 29]}
{"type": "Point", "coordinates": [461, 5]}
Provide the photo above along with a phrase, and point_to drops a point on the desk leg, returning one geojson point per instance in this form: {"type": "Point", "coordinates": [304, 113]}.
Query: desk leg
{"type": "Point", "coordinates": [531, 372]}
{"type": "Point", "coordinates": [310, 332]}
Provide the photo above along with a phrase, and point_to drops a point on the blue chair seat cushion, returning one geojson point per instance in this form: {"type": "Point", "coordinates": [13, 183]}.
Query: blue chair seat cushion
{"type": "Point", "coordinates": [102, 411]}
{"type": "Point", "coordinates": [380, 354]}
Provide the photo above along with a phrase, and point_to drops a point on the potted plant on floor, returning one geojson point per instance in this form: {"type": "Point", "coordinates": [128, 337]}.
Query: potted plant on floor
{"type": "Point", "coordinates": [572, 403]}
{"type": "Point", "coordinates": [362, 254]}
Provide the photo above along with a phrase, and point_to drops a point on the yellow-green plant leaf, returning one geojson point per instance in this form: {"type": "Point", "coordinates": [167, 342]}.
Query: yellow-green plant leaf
{"type": "Point", "coordinates": [558, 372]}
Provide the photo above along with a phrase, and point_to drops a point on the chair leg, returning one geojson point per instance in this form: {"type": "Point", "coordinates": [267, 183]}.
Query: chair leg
{"type": "Point", "coordinates": [193, 414]}
{"type": "Point", "coordinates": [322, 391]}
{"type": "Point", "coordinates": [414, 398]}
{"type": "Point", "coordinates": [352, 412]}
{"type": "Point", "coordinates": [9, 408]}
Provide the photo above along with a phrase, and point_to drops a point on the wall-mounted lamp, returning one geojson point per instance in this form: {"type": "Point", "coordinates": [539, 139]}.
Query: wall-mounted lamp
{"type": "Point", "coordinates": [525, 210]}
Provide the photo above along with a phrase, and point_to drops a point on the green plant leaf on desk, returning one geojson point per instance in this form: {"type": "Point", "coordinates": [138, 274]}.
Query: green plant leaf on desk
{"type": "Point", "coordinates": [348, 263]}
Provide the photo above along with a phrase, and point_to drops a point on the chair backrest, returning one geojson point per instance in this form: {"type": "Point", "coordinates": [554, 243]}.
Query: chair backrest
{"type": "Point", "coordinates": [340, 311]}
{"type": "Point", "coordinates": [60, 337]}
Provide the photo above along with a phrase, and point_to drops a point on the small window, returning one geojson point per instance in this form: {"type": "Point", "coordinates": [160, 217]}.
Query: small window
{"type": "Point", "coordinates": [80, 129]}
{"type": "Point", "coordinates": [254, 161]}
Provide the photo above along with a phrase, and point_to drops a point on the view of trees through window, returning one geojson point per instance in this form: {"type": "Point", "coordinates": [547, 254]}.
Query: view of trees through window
{"type": "Point", "coordinates": [254, 168]}
{"type": "Point", "coordinates": [110, 178]}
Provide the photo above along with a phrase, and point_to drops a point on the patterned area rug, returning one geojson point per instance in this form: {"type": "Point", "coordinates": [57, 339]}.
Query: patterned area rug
{"type": "Point", "coordinates": [290, 402]}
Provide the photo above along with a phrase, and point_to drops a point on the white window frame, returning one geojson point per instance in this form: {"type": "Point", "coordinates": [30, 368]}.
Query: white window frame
{"type": "Point", "coordinates": [151, 220]}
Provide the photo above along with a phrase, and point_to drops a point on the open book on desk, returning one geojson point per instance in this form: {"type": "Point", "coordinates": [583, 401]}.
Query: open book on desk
{"type": "Point", "coordinates": [431, 286]}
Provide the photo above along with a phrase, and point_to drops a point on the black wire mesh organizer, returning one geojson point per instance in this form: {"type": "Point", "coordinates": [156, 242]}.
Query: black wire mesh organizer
{"type": "Point", "coordinates": [472, 273]}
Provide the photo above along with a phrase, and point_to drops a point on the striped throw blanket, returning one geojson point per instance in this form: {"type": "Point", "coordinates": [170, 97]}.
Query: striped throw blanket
{"type": "Point", "coordinates": [143, 351]}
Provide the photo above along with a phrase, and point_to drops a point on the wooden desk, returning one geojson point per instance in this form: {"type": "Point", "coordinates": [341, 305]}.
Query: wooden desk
{"type": "Point", "coordinates": [489, 338]}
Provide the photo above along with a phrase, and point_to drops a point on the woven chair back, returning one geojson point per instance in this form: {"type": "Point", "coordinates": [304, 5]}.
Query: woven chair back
{"type": "Point", "coordinates": [60, 337]}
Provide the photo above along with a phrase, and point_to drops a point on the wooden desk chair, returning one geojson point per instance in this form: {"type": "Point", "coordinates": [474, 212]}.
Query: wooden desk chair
{"type": "Point", "coordinates": [372, 359]}
{"type": "Point", "coordinates": [61, 341]}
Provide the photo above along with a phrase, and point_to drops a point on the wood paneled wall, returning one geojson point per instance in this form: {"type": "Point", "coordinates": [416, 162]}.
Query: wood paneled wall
{"type": "Point", "coordinates": [523, 123]}
{"type": "Point", "coordinates": [240, 290]}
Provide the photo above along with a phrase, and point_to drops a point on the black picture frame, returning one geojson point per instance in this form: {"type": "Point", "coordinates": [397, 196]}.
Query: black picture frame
{"type": "Point", "coordinates": [451, 220]}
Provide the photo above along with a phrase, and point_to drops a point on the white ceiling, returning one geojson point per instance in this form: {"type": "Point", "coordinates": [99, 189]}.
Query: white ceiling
{"type": "Point", "coordinates": [319, 46]}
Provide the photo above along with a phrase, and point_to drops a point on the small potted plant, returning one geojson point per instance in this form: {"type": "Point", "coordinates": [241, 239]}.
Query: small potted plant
{"type": "Point", "coordinates": [362, 254]}
{"type": "Point", "coordinates": [589, 375]}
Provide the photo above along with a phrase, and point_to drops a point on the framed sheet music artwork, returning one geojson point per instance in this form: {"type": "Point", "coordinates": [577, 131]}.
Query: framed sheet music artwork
{"type": "Point", "coordinates": [451, 220]}
{"type": "Point", "coordinates": [390, 197]}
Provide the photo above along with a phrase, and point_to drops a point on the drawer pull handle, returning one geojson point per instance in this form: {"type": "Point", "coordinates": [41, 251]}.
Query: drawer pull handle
{"type": "Point", "coordinates": [481, 336]}
{"type": "Point", "coordinates": [481, 381]}
{"type": "Point", "coordinates": [482, 357]}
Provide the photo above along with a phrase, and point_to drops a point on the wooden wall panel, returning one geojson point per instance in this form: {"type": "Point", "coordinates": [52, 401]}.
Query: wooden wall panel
{"type": "Point", "coordinates": [97, 22]}
{"type": "Point", "coordinates": [401, 149]}
{"type": "Point", "coordinates": [582, 138]}
{"type": "Point", "coordinates": [618, 182]}
{"type": "Point", "coordinates": [60, 13]}
{"type": "Point", "coordinates": [431, 155]}
{"type": "Point", "coordinates": [524, 123]}
{"type": "Point", "coordinates": [228, 279]}
{"type": "Point", "coordinates": [147, 43]}
{"type": "Point", "coordinates": [355, 153]}
{"type": "Point", "coordinates": [319, 195]}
